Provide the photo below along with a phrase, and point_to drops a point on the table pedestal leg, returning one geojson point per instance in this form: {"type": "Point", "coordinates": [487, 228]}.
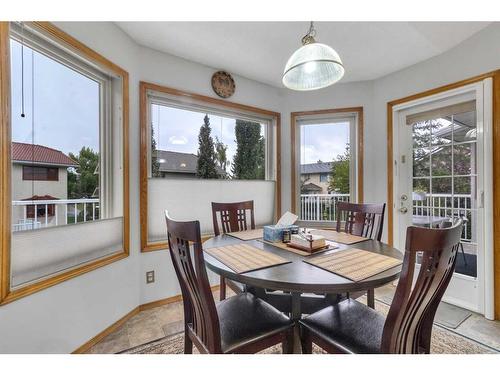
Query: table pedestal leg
{"type": "Point", "coordinates": [370, 298]}
{"type": "Point", "coordinates": [296, 315]}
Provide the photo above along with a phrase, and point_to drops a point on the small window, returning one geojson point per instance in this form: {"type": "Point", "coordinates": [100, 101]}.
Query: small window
{"type": "Point", "coordinates": [40, 173]}
{"type": "Point", "coordinates": [326, 166]}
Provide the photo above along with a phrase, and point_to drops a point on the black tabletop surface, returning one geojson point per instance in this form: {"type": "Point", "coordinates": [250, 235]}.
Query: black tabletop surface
{"type": "Point", "coordinates": [299, 276]}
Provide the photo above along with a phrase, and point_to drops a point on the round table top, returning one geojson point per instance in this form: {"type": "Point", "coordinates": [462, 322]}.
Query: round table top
{"type": "Point", "coordinates": [299, 276]}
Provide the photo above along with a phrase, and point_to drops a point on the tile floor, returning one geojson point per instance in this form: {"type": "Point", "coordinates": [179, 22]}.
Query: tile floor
{"type": "Point", "coordinates": [166, 320]}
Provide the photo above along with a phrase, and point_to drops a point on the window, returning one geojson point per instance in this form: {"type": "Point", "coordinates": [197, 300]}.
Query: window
{"type": "Point", "coordinates": [327, 162]}
{"type": "Point", "coordinates": [198, 150]}
{"type": "Point", "coordinates": [40, 173]}
{"type": "Point", "coordinates": [68, 165]}
{"type": "Point", "coordinates": [193, 142]}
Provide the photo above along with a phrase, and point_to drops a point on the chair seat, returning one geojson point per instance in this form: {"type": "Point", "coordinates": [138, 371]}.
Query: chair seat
{"type": "Point", "coordinates": [349, 325]}
{"type": "Point", "coordinates": [245, 319]}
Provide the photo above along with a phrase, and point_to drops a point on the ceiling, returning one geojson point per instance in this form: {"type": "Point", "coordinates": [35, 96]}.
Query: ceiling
{"type": "Point", "coordinates": [259, 50]}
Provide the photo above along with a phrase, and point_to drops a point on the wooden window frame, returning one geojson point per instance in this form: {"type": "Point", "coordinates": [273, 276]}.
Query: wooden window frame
{"type": "Point", "coordinates": [147, 246]}
{"type": "Point", "coordinates": [33, 176]}
{"type": "Point", "coordinates": [6, 294]}
{"type": "Point", "coordinates": [495, 76]}
{"type": "Point", "coordinates": [360, 153]}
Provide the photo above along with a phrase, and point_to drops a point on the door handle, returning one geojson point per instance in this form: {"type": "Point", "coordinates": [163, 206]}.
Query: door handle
{"type": "Point", "coordinates": [403, 210]}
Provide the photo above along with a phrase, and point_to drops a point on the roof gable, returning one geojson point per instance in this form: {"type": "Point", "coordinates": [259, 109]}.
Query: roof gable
{"type": "Point", "coordinates": [25, 152]}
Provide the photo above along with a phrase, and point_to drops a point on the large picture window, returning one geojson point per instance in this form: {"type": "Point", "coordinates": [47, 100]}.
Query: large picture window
{"type": "Point", "coordinates": [67, 158]}
{"type": "Point", "coordinates": [327, 162]}
{"type": "Point", "coordinates": [198, 150]}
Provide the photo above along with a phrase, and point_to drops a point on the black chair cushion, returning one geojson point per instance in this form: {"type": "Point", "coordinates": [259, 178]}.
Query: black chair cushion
{"type": "Point", "coordinates": [245, 318]}
{"type": "Point", "coordinates": [349, 325]}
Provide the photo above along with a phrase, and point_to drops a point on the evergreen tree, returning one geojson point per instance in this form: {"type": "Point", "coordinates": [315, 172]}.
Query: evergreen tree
{"type": "Point", "coordinates": [155, 164]}
{"type": "Point", "coordinates": [206, 167]}
{"type": "Point", "coordinates": [248, 161]}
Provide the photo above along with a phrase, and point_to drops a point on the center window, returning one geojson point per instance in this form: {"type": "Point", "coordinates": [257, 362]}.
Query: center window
{"type": "Point", "coordinates": [202, 144]}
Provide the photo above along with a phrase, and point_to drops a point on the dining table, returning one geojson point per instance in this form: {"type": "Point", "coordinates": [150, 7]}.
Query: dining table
{"type": "Point", "coordinates": [298, 277]}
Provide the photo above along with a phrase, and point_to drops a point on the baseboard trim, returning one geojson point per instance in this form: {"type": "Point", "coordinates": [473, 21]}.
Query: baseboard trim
{"type": "Point", "coordinates": [119, 323]}
{"type": "Point", "coordinates": [112, 328]}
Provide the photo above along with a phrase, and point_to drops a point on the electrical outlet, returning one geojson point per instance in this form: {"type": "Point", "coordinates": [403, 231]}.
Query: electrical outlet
{"type": "Point", "coordinates": [150, 277]}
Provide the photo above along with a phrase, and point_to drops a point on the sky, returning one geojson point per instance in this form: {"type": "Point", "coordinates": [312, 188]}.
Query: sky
{"type": "Point", "coordinates": [65, 108]}
{"type": "Point", "coordinates": [323, 142]}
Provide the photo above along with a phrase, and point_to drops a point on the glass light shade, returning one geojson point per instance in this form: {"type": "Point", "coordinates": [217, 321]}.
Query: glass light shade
{"type": "Point", "coordinates": [313, 66]}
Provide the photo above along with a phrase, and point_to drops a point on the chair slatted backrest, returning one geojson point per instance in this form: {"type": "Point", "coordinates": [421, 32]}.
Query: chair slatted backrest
{"type": "Point", "coordinates": [233, 216]}
{"type": "Point", "coordinates": [409, 322]}
{"type": "Point", "coordinates": [365, 220]}
{"type": "Point", "coordinates": [199, 306]}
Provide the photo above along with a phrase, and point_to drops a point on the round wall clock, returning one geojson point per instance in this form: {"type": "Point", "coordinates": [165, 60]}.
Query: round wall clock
{"type": "Point", "coordinates": [223, 84]}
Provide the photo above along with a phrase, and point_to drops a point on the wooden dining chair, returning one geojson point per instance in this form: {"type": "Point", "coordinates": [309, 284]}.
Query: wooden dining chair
{"type": "Point", "coordinates": [364, 220]}
{"type": "Point", "coordinates": [233, 217]}
{"type": "Point", "coordinates": [351, 327]}
{"type": "Point", "coordinates": [240, 324]}
{"type": "Point", "coordinates": [361, 219]}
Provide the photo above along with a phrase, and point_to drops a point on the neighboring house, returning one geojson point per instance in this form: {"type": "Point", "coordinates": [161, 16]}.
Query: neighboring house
{"type": "Point", "coordinates": [38, 173]}
{"type": "Point", "coordinates": [179, 164]}
{"type": "Point", "coordinates": [315, 177]}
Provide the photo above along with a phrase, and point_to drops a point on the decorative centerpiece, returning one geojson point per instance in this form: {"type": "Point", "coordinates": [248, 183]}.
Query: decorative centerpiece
{"type": "Point", "coordinates": [308, 242]}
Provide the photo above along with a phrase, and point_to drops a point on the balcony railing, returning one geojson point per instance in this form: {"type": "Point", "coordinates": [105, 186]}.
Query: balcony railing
{"type": "Point", "coordinates": [28, 215]}
{"type": "Point", "coordinates": [322, 207]}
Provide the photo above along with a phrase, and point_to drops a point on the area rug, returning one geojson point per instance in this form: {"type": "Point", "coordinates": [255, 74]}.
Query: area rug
{"type": "Point", "coordinates": [443, 342]}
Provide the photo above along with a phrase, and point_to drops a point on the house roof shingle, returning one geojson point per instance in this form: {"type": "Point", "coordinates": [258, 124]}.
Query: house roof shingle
{"type": "Point", "coordinates": [322, 167]}
{"type": "Point", "coordinates": [25, 152]}
{"type": "Point", "coordinates": [179, 162]}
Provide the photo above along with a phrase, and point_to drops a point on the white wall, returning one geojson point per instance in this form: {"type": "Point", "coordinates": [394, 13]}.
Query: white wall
{"type": "Point", "coordinates": [63, 317]}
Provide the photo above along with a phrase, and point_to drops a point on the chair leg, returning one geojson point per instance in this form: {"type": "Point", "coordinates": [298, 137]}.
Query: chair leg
{"type": "Point", "coordinates": [188, 344]}
{"type": "Point", "coordinates": [370, 298]}
{"type": "Point", "coordinates": [287, 345]}
{"type": "Point", "coordinates": [463, 253]}
{"type": "Point", "coordinates": [222, 288]}
{"type": "Point", "coordinates": [305, 341]}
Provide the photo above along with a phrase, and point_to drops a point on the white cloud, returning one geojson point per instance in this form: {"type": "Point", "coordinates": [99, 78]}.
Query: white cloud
{"type": "Point", "coordinates": [174, 140]}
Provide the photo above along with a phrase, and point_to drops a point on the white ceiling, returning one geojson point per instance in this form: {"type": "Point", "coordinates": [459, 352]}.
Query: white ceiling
{"type": "Point", "coordinates": [259, 50]}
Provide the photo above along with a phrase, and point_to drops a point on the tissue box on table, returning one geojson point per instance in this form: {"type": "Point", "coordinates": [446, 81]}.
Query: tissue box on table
{"type": "Point", "coordinates": [272, 233]}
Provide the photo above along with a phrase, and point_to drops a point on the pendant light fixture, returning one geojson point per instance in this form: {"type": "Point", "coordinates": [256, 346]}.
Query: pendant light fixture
{"type": "Point", "coordinates": [313, 66]}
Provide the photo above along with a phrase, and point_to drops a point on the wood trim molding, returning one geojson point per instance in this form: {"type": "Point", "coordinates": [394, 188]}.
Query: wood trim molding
{"type": "Point", "coordinates": [6, 294]}
{"type": "Point", "coordinates": [147, 246]}
{"type": "Point", "coordinates": [495, 75]}
{"type": "Point", "coordinates": [360, 147]}
{"type": "Point", "coordinates": [120, 322]}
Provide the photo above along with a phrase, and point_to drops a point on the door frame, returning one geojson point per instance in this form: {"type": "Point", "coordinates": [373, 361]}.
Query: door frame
{"type": "Point", "coordinates": [492, 278]}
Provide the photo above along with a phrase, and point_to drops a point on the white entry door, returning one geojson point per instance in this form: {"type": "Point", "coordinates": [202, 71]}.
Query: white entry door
{"type": "Point", "coordinates": [442, 171]}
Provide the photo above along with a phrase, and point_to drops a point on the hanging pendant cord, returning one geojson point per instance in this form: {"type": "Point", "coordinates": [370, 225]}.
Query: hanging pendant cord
{"type": "Point", "coordinates": [33, 122]}
{"type": "Point", "coordinates": [22, 71]}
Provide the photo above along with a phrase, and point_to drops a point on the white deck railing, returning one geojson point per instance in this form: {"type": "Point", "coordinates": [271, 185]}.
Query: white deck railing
{"type": "Point", "coordinates": [322, 207]}
{"type": "Point", "coordinates": [65, 211]}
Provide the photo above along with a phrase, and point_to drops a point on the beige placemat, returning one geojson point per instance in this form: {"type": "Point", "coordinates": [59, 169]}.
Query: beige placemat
{"type": "Point", "coordinates": [284, 246]}
{"type": "Point", "coordinates": [244, 258]}
{"type": "Point", "coordinates": [246, 235]}
{"type": "Point", "coordinates": [354, 264]}
{"type": "Point", "coordinates": [335, 236]}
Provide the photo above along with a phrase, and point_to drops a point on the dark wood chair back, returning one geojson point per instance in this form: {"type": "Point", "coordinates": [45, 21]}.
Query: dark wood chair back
{"type": "Point", "coordinates": [365, 220]}
{"type": "Point", "coordinates": [233, 216]}
{"type": "Point", "coordinates": [409, 322]}
{"type": "Point", "coordinates": [200, 314]}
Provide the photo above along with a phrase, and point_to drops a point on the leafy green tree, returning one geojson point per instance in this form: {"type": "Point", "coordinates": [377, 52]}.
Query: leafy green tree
{"type": "Point", "coordinates": [221, 154]}
{"type": "Point", "coordinates": [82, 180]}
{"type": "Point", "coordinates": [339, 175]}
{"type": "Point", "coordinates": [249, 160]}
{"type": "Point", "coordinates": [155, 164]}
{"type": "Point", "coordinates": [206, 167]}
